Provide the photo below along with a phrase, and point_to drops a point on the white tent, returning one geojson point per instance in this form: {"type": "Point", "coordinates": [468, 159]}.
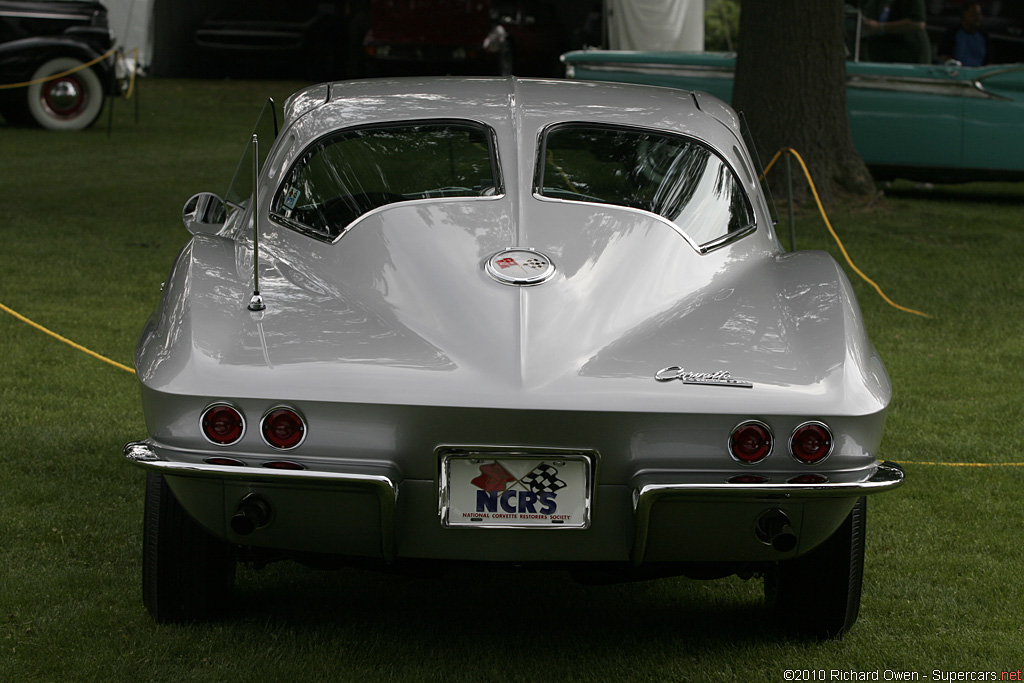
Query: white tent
{"type": "Point", "coordinates": [132, 24]}
{"type": "Point", "coordinates": [655, 24]}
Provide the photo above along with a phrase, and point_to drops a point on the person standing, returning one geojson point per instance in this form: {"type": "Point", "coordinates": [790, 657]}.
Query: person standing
{"type": "Point", "coordinates": [966, 42]}
{"type": "Point", "coordinates": [894, 31]}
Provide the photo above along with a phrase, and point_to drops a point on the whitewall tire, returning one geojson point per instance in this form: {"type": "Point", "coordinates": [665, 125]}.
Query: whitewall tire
{"type": "Point", "coordinates": [71, 102]}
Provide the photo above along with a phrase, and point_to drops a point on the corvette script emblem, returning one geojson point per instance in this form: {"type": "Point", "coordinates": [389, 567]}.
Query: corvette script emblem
{"type": "Point", "coordinates": [520, 266]}
{"type": "Point", "coordinates": [722, 378]}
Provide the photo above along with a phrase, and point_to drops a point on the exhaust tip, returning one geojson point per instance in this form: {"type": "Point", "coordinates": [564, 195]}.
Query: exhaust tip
{"type": "Point", "coordinates": [774, 528]}
{"type": "Point", "coordinates": [253, 513]}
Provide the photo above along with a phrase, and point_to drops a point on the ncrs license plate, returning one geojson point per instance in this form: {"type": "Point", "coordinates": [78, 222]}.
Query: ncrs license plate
{"type": "Point", "coordinates": [495, 490]}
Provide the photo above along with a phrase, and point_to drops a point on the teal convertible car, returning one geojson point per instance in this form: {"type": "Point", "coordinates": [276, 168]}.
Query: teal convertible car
{"type": "Point", "coordinates": [917, 121]}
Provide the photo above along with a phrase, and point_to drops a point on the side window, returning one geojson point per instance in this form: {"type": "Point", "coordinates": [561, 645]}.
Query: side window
{"type": "Point", "coordinates": [673, 176]}
{"type": "Point", "coordinates": [348, 174]}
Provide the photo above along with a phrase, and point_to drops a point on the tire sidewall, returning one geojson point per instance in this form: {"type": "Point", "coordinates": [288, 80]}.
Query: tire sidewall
{"type": "Point", "coordinates": [89, 84]}
{"type": "Point", "coordinates": [187, 573]}
{"type": "Point", "coordinates": [818, 594]}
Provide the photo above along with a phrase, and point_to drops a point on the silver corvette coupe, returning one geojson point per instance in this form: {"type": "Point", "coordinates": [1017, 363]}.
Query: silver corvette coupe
{"type": "Point", "coordinates": [507, 321]}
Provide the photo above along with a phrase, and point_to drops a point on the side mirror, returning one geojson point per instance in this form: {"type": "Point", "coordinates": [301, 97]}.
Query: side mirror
{"type": "Point", "coordinates": [204, 213]}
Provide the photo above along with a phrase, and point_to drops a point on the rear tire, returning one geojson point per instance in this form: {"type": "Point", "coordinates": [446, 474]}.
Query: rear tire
{"type": "Point", "coordinates": [818, 594]}
{"type": "Point", "coordinates": [71, 102]}
{"type": "Point", "coordinates": [187, 573]}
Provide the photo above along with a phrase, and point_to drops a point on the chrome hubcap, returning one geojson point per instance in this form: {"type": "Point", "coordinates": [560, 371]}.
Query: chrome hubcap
{"type": "Point", "coordinates": [64, 97]}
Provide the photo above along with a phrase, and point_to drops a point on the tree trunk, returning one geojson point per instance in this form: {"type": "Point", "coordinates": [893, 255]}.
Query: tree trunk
{"type": "Point", "coordinates": [790, 84]}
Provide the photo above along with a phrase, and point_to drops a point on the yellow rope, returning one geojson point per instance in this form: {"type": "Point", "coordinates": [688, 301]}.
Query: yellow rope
{"type": "Point", "coordinates": [831, 230]}
{"type": "Point", "coordinates": [70, 343]}
{"type": "Point", "coordinates": [99, 59]}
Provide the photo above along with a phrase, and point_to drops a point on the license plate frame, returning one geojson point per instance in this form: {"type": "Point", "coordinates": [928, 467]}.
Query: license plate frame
{"type": "Point", "coordinates": [516, 490]}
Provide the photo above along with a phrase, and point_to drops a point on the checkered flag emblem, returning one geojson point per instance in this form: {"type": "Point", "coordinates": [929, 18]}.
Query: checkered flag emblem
{"type": "Point", "coordinates": [535, 263]}
{"type": "Point", "coordinates": [543, 479]}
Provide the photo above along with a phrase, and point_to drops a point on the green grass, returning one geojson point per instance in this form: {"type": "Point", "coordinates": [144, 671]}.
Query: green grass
{"type": "Point", "coordinates": [89, 225]}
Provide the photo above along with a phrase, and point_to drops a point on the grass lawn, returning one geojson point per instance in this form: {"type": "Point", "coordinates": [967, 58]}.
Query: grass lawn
{"type": "Point", "coordinates": [89, 224]}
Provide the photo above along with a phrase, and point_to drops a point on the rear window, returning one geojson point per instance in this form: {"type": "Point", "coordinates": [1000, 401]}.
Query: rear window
{"type": "Point", "coordinates": [350, 173]}
{"type": "Point", "coordinates": [674, 176]}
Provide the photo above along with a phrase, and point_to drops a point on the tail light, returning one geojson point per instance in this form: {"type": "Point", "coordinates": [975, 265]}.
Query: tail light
{"type": "Point", "coordinates": [224, 462]}
{"type": "Point", "coordinates": [811, 442]}
{"type": "Point", "coordinates": [751, 442]}
{"type": "Point", "coordinates": [807, 479]}
{"type": "Point", "coordinates": [283, 428]}
{"type": "Point", "coordinates": [284, 465]}
{"type": "Point", "coordinates": [748, 479]}
{"type": "Point", "coordinates": [222, 424]}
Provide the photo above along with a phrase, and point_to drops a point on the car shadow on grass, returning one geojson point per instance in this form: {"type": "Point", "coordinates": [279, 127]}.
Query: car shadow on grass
{"type": "Point", "coordinates": [525, 610]}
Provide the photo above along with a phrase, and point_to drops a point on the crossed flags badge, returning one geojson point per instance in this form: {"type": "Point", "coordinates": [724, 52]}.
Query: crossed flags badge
{"type": "Point", "coordinates": [541, 479]}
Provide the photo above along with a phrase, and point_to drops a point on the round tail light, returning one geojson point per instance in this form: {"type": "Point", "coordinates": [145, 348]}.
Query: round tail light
{"type": "Point", "coordinates": [751, 442]}
{"type": "Point", "coordinates": [811, 442]}
{"type": "Point", "coordinates": [283, 429]}
{"type": "Point", "coordinates": [222, 424]}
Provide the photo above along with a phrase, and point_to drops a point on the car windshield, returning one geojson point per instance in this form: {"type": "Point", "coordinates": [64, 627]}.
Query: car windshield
{"type": "Point", "coordinates": [673, 176]}
{"type": "Point", "coordinates": [348, 174]}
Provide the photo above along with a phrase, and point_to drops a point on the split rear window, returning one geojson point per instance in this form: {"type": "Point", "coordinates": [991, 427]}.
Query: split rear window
{"type": "Point", "coordinates": [350, 173]}
{"type": "Point", "coordinates": [671, 175]}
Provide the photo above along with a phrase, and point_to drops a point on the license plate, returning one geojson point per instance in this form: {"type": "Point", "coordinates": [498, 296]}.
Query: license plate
{"type": "Point", "coordinates": [517, 491]}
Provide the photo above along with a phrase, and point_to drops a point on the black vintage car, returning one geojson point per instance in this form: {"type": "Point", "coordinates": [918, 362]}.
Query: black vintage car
{"type": "Point", "coordinates": [44, 49]}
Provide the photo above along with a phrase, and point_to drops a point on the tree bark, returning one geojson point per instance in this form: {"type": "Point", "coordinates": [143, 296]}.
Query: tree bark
{"type": "Point", "coordinates": [790, 83]}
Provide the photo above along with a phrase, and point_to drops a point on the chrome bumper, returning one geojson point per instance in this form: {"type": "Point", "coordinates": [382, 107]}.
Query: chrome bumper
{"type": "Point", "coordinates": [143, 454]}
{"type": "Point", "coordinates": [721, 509]}
{"type": "Point", "coordinates": [886, 476]}
{"type": "Point", "coordinates": [383, 486]}
{"type": "Point", "coordinates": [649, 493]}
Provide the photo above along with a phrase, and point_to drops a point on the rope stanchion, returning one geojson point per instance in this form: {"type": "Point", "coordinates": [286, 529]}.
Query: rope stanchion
{"type": "Point", "coordinates": [131, 78]}
{"type": "Point", "coordinates": [65, 340]}
{"type": "Point", "coordinates": [835, 236]}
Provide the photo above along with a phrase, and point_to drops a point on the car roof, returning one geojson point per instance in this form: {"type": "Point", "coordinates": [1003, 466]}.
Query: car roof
{"type": "Point", "coordinates": [524, 106]}
{"type": "Point", "coordinates": [518, 111]}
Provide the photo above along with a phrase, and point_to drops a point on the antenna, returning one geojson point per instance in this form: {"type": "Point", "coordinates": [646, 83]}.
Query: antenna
{"type": "Point", "coordinates": [255, 301]}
